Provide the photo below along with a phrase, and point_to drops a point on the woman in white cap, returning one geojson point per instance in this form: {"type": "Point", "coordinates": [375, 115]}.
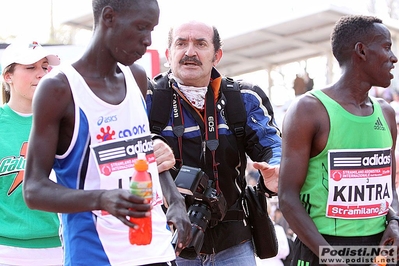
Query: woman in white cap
{"type": "Point", "coordinates": [27, 237]}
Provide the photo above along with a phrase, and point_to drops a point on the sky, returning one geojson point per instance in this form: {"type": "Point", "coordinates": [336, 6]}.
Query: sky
{"type": "Point", "coordinates": [231, 17]}
{"type": "Point", "coordinates": [32, 18]}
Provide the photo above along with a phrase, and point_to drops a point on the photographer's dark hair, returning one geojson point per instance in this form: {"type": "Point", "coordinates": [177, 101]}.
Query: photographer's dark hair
{"type": "Point", "coordinates": [349, 30]}
{"type": "Point", "coordinates": [217, 42]}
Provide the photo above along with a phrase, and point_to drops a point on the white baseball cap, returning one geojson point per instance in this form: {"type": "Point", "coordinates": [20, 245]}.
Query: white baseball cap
{"type": "Point", "coordinates": [26, 53]}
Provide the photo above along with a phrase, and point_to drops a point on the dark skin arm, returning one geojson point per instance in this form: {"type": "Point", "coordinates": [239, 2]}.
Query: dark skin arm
{"type": "Point", "coordinates": [176, 213]}
{"type": "Point", "coordinates": [392, 231]}
{"type": "Point", "coordinates": [300, 133]}
{"type": "Point", "coordinates": [51, 132]}
{"type": "Point", "coordinates": [306, 129]}
{"type": "Point", "coordinates": [140, 76]}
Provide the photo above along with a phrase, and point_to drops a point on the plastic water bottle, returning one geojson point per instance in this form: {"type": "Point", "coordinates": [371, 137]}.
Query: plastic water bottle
{"type": "Point", "coordinates": [141, 185]}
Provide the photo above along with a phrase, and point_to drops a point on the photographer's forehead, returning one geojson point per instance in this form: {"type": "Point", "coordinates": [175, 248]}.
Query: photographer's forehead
{"type": "Point", "coordinates": [193, 31]}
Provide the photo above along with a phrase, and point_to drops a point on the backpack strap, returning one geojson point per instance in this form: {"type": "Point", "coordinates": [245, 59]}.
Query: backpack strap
{"type": "Point", "coordinates": [235, 111]}
{"type": "Point", "coordinates": [162, 98]}
{"type": "Point", "coordinates": [236, 117]}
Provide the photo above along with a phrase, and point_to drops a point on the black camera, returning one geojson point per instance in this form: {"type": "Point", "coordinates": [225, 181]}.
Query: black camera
{"type": "Point", "coordinates": [203, 203]}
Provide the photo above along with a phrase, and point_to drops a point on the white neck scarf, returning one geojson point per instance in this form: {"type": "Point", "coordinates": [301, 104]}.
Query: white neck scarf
{"type": "Point", "coordinates": [196, 95]}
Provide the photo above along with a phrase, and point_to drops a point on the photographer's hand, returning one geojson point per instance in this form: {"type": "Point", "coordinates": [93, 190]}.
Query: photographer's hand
{"type": "Point", "coordinates": [270, 174]}
{"type": "Point", "coordinates": [163, 155]}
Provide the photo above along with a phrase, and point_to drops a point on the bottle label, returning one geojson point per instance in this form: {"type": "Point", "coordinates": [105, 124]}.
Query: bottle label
{"type": "Point", "coordinates": [142, 189]}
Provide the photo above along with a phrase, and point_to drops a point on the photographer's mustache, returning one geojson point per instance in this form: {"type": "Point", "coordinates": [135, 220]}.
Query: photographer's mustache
{"type": "Point", "coordinates": [192, 59]}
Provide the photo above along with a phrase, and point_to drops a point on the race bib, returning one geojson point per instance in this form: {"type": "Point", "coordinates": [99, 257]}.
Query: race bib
{"type": "Point", "coordinates": [115, 163]}
{"type": "Point", "coordinates": [360, 184]}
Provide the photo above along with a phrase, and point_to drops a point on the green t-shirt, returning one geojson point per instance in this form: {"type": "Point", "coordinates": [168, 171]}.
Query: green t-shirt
{"type": "Point", "coordinates": [341, 172]}
{"type": "Point", "coordinates": [20, 226]}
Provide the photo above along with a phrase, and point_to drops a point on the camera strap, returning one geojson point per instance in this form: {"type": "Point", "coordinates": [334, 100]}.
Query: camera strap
{"type": "Point", "coordinates": [209, 125]}
{"type": "Point", "coordinates": [178, 120]}
{"type": "Point", "coordinates": [211, 131]}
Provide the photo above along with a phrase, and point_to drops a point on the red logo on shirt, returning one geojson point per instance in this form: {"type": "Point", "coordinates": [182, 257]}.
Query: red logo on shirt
{"type": "Point", "coordinates": [14, 164]}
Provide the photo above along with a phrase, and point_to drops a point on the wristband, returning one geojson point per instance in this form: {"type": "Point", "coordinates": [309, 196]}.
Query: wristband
{"type": "Point", "coordinates": [272, 193]}
{"type": "Point", "coordinates": [264, 188]}
{"type": "Point", "coordinates": [393, 217]}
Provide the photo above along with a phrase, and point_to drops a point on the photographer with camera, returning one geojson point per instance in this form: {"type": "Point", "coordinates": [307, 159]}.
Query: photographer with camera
{"type": "Point", "coordinates": [210, 149]}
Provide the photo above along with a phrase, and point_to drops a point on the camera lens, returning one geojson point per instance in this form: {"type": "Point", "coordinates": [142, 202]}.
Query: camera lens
{"type": "Point", "coordinates": [199, 215]}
